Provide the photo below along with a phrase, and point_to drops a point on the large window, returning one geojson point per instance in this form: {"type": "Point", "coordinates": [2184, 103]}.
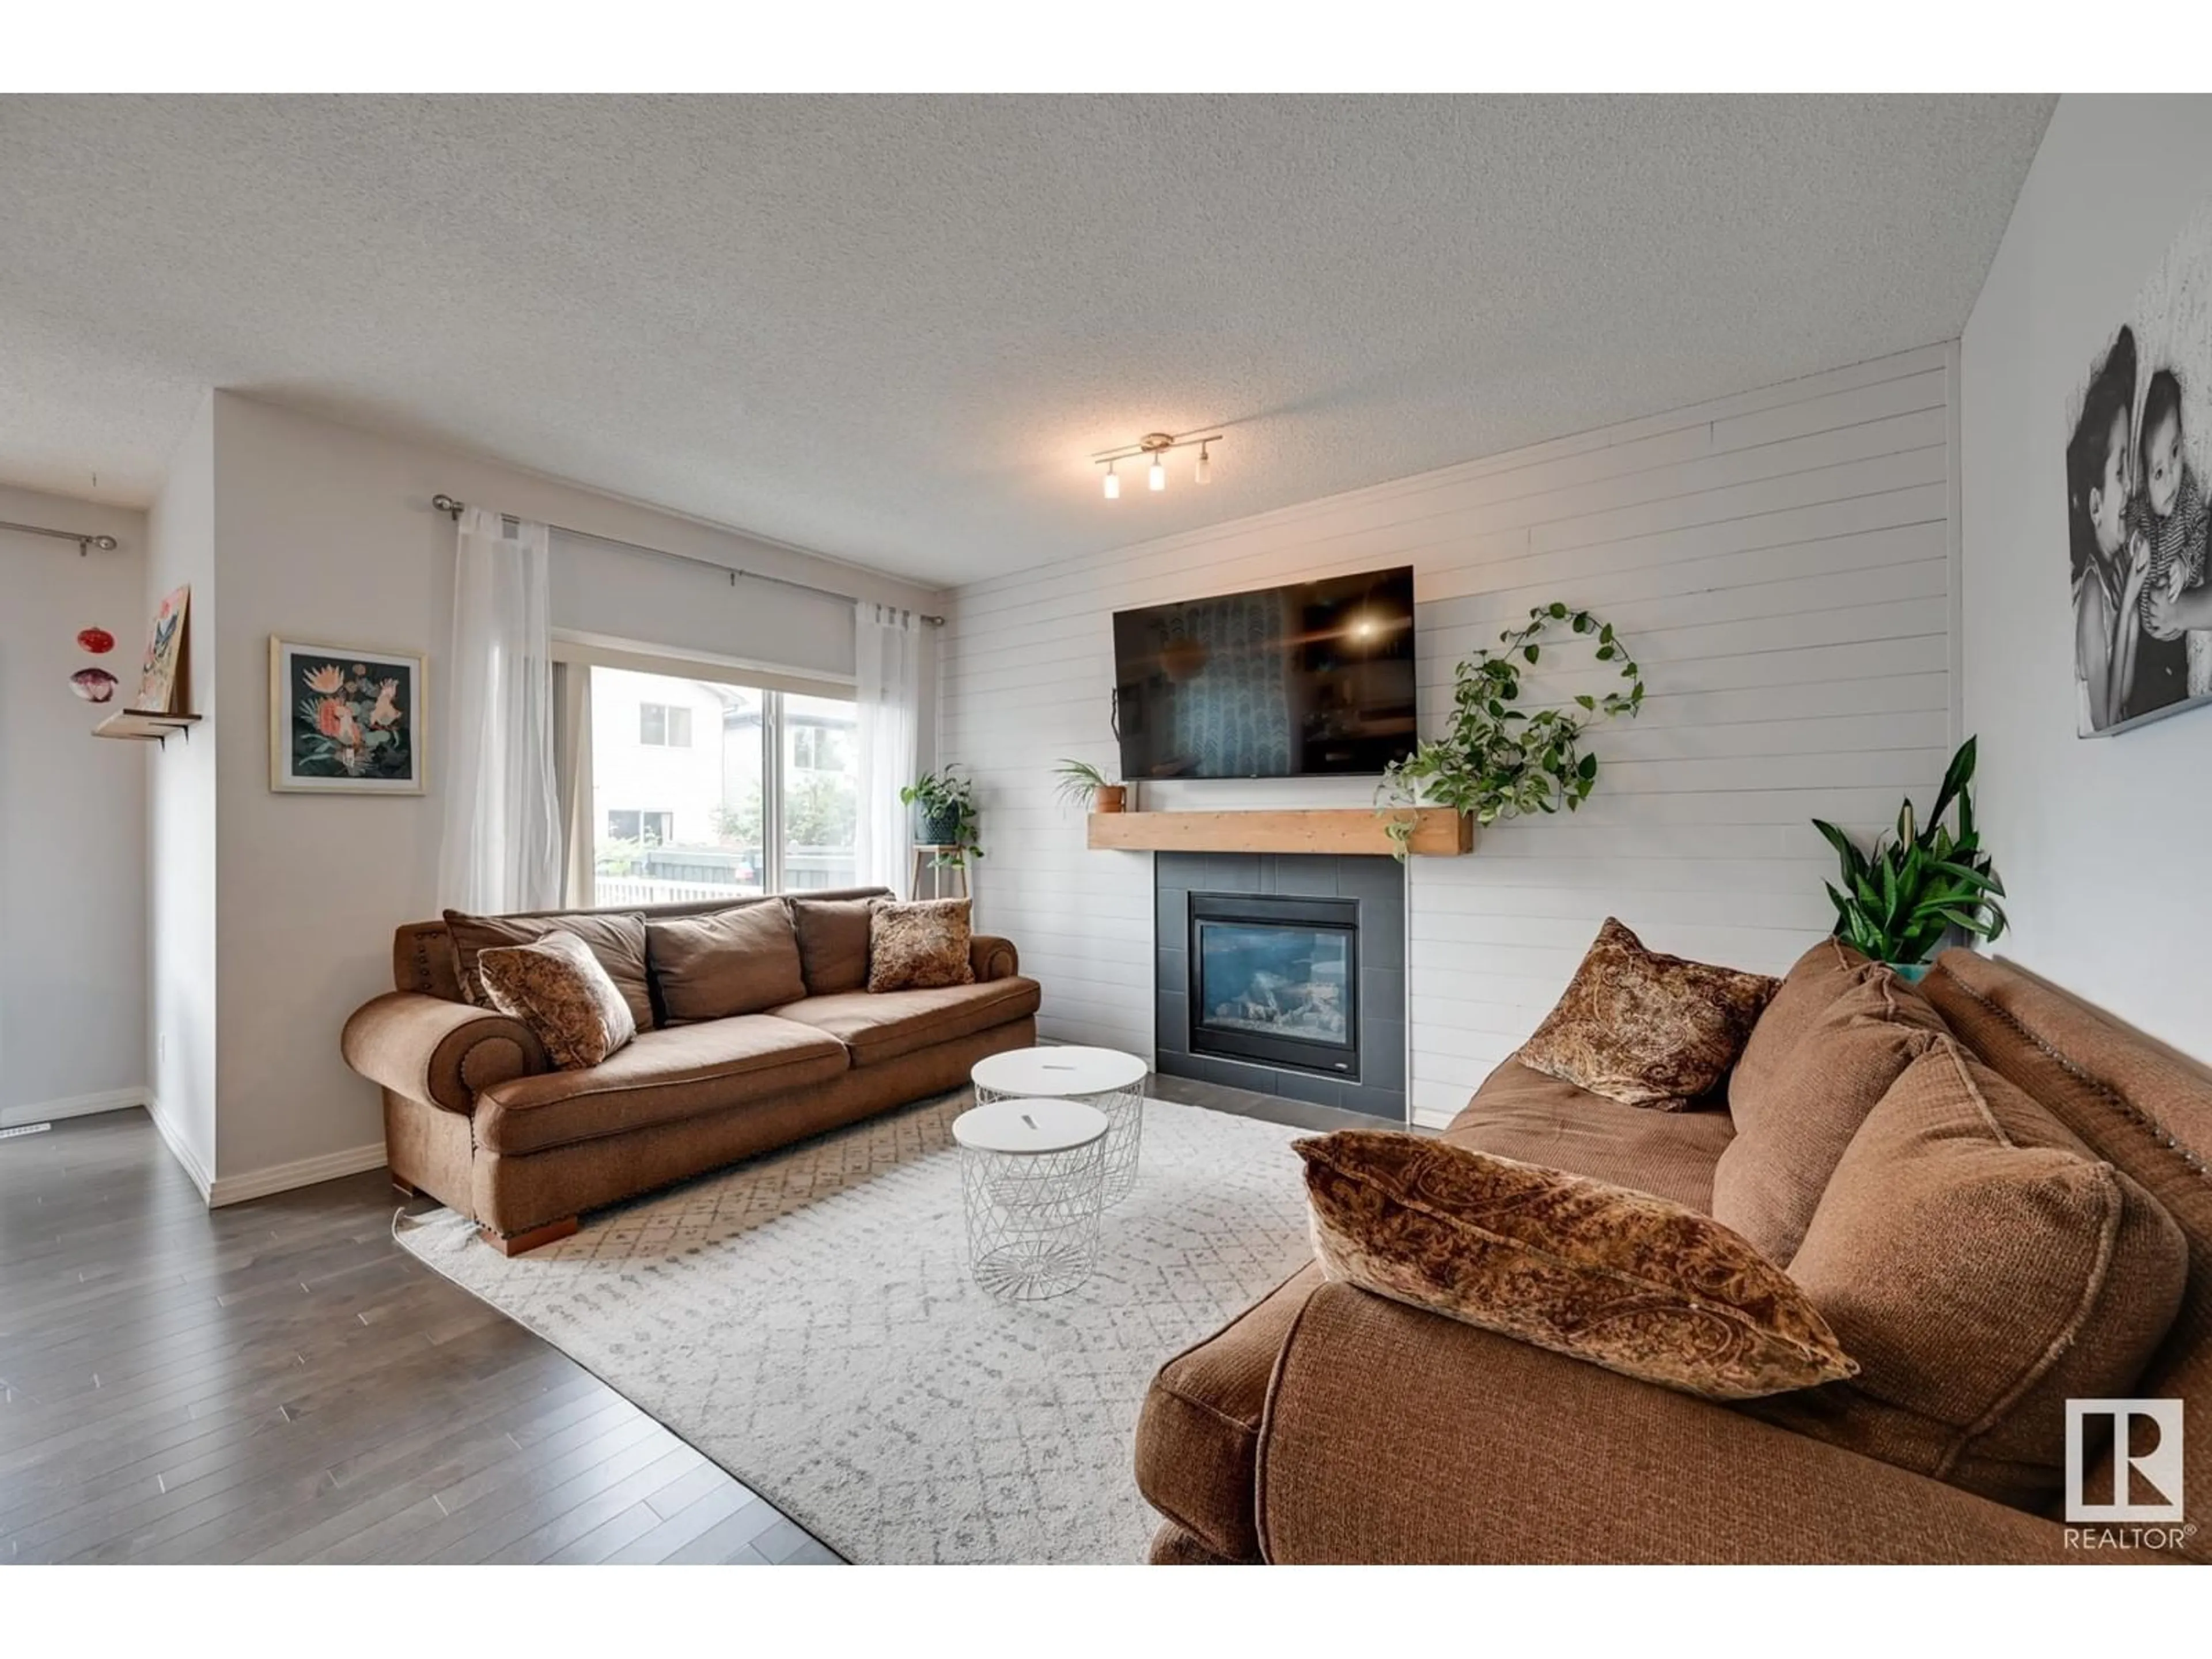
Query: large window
{"type": "Point", "coordinates": [752, 789]}
{"type": "Point", "coordinates": [821, 792]}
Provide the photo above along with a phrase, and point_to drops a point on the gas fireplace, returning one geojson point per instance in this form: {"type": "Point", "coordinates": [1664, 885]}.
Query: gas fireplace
{"type": "Point", "coordinates": [1276, 980]}
{"type": "Point", "coordinates": [1283, 973]}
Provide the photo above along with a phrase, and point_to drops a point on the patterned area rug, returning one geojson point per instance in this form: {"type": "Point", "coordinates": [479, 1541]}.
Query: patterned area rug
{"type": "Point", "coordinates": [807, 1321]}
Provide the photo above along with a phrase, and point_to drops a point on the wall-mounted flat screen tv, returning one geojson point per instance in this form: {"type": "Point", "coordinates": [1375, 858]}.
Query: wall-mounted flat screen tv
{"type": "Point", "coordinates": [1314, 678]}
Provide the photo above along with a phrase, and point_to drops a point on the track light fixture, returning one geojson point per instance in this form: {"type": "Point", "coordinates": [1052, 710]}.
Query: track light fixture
{"type": "Point", "coordinates": [1154, 447]}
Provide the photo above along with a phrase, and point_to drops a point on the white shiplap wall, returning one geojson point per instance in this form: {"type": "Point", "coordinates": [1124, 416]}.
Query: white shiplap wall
{"type": "Point", "coordinates": [1782, 561]}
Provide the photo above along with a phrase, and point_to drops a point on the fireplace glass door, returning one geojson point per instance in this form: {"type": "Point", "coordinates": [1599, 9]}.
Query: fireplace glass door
{"type": "Point", "coordinates": [1276, 980]}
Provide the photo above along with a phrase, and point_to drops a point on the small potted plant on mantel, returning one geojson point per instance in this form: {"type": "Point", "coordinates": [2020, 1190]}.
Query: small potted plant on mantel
{"type": "Point", "coordinates": [1897, 902]}
{"type": "Point", "coordinates": [945, 814]}
{"type": "Point", "coordinates": [1083, 786]}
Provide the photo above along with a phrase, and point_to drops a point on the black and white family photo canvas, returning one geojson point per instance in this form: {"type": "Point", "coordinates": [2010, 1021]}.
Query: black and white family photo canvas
{"type": "Point", "coordinates": [2137, 452]}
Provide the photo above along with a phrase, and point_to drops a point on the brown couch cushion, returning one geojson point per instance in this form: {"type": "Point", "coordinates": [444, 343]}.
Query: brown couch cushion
{"type": "Point", "coordinates": [1198, 1435]}
{"type": "Point", "coordinates": [555, 987]}
{"type": "Point", "coordinates": [914, 947]}
{"type": "Point", "coordinates": [1538, 1119]}
{"type": "Point", "coordinates": [1983, 1266]}
{"type": "Point", "coordinates": [517, 1195]}
{"type": "Point", "coordinates": [1792, 1126]}
{"type": "Point", "coordinates": [737, 961]}
{"type": "Point", "coordinates": [1600, 1272]}
{"type": "Point", "coordinates": [1646, 1029]}
{"type": "Point", "coordinates": [833, 943]}
{"type": "Point", "coordinates": [1395, 1437]}
{"type": "Point", "coordinates": [880, 1025]}
{"type": "Point", "coordinates": [683, 1071]}
{"type": "Point", "coordinates": [616, 938]}
{"type": "Point", "coordinates": [2134, 1102]}
{"type": "Point", "coordinates": [1814, 980]}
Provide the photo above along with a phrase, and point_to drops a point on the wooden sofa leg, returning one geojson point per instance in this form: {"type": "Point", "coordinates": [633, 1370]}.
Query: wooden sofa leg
{"type": "Point", "coordinates": [513, 1245]}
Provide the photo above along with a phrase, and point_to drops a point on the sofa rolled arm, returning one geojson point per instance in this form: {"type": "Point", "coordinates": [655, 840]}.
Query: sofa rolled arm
{"type": "Point", "coordinates": [444, 1052]}
{"type": "Point", "coordinates": [992, 957]}
{"type": "Point", "coordinates": [1395, 1435]}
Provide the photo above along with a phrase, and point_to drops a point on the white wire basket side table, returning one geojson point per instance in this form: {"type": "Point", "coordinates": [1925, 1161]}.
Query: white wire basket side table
{"type": "Point", "coordinates": [1104, 1078]}
{"type": "Point", "coordinates": [1032, 1183]}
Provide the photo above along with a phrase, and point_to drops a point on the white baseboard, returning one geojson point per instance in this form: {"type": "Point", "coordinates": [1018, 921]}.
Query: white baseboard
{"type": "Point", "coordinates": [219, 1190]}
{"type": "Point", "coordinates": [52, 1111]}
{"type": "Point", "coordinates": [282, 1178]}
{"type": "Point", "coordinates": [175, 1142]}
{"type": "Point", "coordinates": [1432, 1117]}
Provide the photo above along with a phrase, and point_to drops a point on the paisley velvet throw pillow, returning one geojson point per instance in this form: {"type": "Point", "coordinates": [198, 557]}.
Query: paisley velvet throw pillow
{"type": "Point", "coordinates": [616, 938]}
{"type": "Point", "coordinates": [919, 946]}
{"type": "Point", "coordinates": [1623, 1279]}
{"type": "Point", "coordinates": [557, 988]}
{"type": "Point", "coordinates": [1643, 1029]}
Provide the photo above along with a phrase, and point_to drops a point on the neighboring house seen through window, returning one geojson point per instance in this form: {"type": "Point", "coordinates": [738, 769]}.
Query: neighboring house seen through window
{"type": "Point", "coordinates": [820, 748]}
{"type": "Point", "coordinates": [649, 828]}
{"type": "Point", "coordinates": [664, 726]}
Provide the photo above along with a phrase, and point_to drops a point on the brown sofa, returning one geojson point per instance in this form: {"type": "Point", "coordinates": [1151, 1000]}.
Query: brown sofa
{"type": "Point", "coordinates": [475, 1116]}
{"type": "Point", "coordinates": [1327, 1425]}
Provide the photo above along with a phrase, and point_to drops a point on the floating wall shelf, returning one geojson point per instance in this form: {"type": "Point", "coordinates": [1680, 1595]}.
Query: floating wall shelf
{"type": "Point", "coordinates": [144, 725]}
{"type": "Point", "coordinates": [1438, 832]}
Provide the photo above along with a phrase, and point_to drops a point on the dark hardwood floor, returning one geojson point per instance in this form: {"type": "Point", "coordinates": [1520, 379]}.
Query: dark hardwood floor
{"type": "Point", "coordinates": [279, 1381]}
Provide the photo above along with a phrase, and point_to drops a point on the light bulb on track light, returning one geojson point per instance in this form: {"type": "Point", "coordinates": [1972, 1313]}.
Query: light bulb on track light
{"type": "Point", "coordinates": [1158, 478]}
{"type": "Point", "coordinates": [1112, 484]}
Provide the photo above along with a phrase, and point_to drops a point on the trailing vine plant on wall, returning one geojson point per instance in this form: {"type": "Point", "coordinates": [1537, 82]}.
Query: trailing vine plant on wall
{"type": "Point", "coordinates": [1497, 759]}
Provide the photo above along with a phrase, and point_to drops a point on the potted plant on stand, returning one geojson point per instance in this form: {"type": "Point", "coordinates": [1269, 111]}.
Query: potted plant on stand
{"type": "Point", "coordinates": [944, 816]}
{"type": "Point", "coordinates": [1897, 902]}
{"type": "Point", "coordinates": [1083, 786]}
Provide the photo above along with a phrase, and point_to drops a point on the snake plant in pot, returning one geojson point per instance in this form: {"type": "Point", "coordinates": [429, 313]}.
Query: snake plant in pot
{"type": "Point", "coordinates": [1898, 901]}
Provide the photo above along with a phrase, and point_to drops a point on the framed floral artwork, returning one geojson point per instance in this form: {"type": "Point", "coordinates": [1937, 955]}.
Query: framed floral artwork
{"type": "Point", "coordinates": [344, 721]}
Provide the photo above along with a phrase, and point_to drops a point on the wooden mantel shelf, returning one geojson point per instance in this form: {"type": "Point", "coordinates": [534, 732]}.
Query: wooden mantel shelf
{"type": "Point", "coordinates": [1438, 832]}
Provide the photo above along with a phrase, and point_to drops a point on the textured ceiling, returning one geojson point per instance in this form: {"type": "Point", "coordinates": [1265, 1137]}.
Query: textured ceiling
{"type": "Point", "coordinates": [893, 330]}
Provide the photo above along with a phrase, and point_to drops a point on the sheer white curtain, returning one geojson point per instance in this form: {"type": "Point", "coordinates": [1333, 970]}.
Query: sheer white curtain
{"type": "Point", "coordinates": [503, 834]}
{"type": "Point", "coordinates": [888, 672]}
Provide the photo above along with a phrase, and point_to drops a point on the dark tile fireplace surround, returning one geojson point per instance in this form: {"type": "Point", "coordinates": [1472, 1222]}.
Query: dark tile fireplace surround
{"type": "Point", "coordinates": [1302, 957]}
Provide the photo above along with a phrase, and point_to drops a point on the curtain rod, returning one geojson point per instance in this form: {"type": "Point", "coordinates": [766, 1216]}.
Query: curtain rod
{"type": "Point", "coordinates": [454, 510]}
{"type": "Point", "coordinates": [85, 543]}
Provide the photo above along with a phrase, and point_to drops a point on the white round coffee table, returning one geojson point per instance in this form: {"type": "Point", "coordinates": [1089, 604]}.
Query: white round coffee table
{"type": "Point", "coordinates": [1105, 1077]}
{"type": "Point", "coordinates": [1031, 1176]}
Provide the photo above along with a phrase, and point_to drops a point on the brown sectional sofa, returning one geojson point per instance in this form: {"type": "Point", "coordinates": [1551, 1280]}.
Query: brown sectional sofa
{"type": "Point", "coordinates": [1328, 1425]}
{"type": "Point", "coordinates": [475, 1116]}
